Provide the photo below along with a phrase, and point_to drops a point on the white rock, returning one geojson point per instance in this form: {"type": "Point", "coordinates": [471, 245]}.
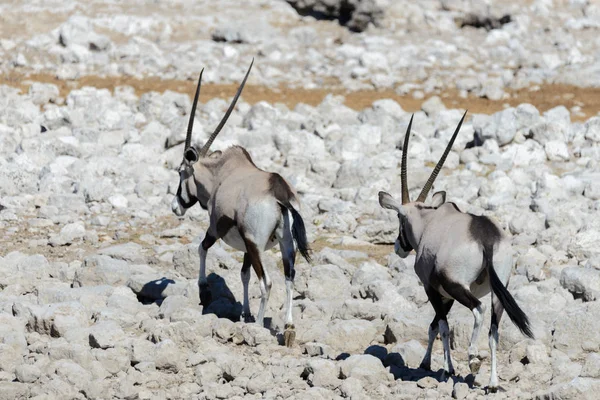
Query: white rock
{"type": "Point", "coordinates": [581, 282]}
{"type": "Point", "coordinates": [557, 150]}
{"type": "Point", "coordinates": [366, 368]}
{"type": "Point", "coordinates": [106, 334]}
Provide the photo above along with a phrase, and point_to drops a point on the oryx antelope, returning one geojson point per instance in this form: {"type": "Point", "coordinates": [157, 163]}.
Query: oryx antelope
{"type": "Point", "coordinates": [250, 209]}
{"type": "Point", "coordinates": [459, 257]}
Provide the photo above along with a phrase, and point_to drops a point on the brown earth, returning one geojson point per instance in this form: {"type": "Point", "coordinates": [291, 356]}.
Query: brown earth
{"type": "Point", "coordinates": [543, 97]}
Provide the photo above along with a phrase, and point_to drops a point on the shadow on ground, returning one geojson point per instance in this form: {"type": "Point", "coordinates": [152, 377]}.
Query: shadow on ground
{"type": "Point", "coordinates": [401, 371]}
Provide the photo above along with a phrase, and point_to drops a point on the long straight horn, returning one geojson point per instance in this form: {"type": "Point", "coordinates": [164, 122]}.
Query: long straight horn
{"type": "Point", "coordinates": [440, 163]}
{"type": "Point", "coordinates": [403, 181]}
{"type": "Point", "coordinates": [188, 138]}
{"type": "Point", "coordinates": [229, 110]}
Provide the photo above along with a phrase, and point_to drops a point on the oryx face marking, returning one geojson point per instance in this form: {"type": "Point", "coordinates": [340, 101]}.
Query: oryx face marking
{"type": "Point", "coordinates": [186, 195]}
{"type": "Point", "coordinates": [402, 247]}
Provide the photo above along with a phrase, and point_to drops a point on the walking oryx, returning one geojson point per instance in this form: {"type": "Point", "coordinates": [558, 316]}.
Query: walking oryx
{"type": "Point", "coordinates": [459, 257]}
{"type": "Point", "coordinates": [250, 209]}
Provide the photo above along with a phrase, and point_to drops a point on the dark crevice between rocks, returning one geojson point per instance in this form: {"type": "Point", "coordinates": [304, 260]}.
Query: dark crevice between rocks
{"type": "Point", "coordinates": [476, 142]}
{"type": "Point", "coordinates": [486, 22]}
{"type": "Point", "coordinates": [345, 12]}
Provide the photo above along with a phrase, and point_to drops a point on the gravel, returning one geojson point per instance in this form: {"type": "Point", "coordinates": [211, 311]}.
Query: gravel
{"type": "Point", "coordinates": [98, 279]}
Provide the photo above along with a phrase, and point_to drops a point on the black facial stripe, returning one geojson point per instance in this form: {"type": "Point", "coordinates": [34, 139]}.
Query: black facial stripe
{"type": "Point", "coordinates": [185, 204]}
{"type": "Point", "coordinates": [402, 240]}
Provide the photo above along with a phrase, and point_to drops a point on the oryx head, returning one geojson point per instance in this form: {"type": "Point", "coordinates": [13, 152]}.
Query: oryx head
{"type": "Point", "coordinates": [409, 213]}
{"type": "Point", "coordinates": [194, 177]}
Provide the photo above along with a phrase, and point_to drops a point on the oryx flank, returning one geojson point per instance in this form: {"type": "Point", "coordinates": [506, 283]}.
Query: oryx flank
{"type": "Point", "coordinates": [459, 257]}
{"type": "Point", "coordinates": [250, 209]}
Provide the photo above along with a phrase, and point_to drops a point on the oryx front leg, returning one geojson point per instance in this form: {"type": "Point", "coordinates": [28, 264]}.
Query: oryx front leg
{"type": "Point", "coordinates": [263, 278]}
{"type": "Point", "coordinates": [288, 253]}
{"type": "Point", "coordinates": [433, 332]}
{"type": "Point", "coordinates": [442, 307]}
{"type": "Point", "coordinates": [445, 335]}
{"type": "Point", "coordinates": [205, 295]}
{"type": "Point", "coordinates": [474, 360]}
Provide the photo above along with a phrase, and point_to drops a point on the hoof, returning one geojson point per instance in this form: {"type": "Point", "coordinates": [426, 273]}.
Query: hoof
{"type": "Point", "coordinates": [474, 365]}
{"type": "Point", "coordinates": [205, 295]}
{"type": "Point", "coordinates": [426, 367]}
{"type": "Point", "coordinates": [248, 318]}
{"type": "Point", "coordinates": [289, 336]}
{"type": "Point", "coordinates": [492, 389]}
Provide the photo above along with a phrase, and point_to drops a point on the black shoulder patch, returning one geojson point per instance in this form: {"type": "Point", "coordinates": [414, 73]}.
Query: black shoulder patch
{"type": "Point", "coordinates": [224, 224]}
{"type": "Point", "coordinates": [484, 231]}
{"type": "Point", "coordinates": [280, 189]}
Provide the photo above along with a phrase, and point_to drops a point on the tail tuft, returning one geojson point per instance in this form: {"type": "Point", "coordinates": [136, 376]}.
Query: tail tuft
{"type": "Point", "coordinates": [515, 313]}
{"type": "Point", "coordinates": [299, 234]}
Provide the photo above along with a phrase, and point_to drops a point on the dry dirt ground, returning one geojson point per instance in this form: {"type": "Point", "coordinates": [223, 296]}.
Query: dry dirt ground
{"type": "Point", "coordinates": [544, 97]}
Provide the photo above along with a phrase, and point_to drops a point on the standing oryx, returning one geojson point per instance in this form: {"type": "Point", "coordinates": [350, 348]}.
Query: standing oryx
{"type": "Point", "coordinates": [459, 257]}
{"type": "Point", "coordinates": [250, 209]}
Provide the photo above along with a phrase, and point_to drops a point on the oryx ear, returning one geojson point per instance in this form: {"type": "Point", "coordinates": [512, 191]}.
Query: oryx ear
{"type": "Point", "coordinates": [191, 155]}
{"type": "Point", "coordinates": [215, 154]}
{"type": "Point", "coordinates": [387, 201]}
{"type": "Point", "coordinates": [438, 199]}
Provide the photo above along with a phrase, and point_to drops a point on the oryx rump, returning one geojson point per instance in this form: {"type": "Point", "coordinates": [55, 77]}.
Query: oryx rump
{"type": "Point", "coordinates": [460, 257]}
{"type": "Point", "coordinates": [250, 209]}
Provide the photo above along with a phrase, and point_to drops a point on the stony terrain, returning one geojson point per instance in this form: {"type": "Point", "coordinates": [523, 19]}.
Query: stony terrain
{"type": "Point", "coordinates": [98, 293]}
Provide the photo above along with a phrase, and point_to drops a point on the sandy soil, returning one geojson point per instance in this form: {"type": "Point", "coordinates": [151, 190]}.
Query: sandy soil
{"type": "Point", "coordinates": [544, 97]}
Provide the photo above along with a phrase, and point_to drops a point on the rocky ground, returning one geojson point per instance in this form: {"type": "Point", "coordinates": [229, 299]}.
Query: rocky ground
{"type": "Point", "coordinates": [98, 294]}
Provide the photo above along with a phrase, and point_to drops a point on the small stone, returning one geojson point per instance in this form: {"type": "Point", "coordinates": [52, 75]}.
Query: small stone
{"type": "Point", "coordinates": [427, 382]}
{"type": "Point", "coordinates": [460, 391]}
{"type": "Point", "coordinates": [106, 334]}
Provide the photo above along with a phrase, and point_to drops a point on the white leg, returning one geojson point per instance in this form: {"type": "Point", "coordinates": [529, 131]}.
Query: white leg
{"type": "Point", "coordinates": [474, 361]}
{"type": "Point", "coordinates": [289, 289]}
{"type": "Point", "coordinates": [433, 332]}
{"type": "Point", "coordinates": [265, 291]}
{"type": "Point", "coordinates": [445, 334]}
{"type": "Point", "coordinates": [288, 253]}
{"type": "Point", "coordinates": [497, 311]}
{"type": "Point", "coordinates": [493, 386]}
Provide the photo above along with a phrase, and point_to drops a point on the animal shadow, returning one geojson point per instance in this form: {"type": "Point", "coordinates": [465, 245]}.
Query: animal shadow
{"type": "Point", "coordinates": [152, 292]}
{"type": "Point", "coordinates": [401, 371]}
{"type": "Point", "coordinates": [216, 298]}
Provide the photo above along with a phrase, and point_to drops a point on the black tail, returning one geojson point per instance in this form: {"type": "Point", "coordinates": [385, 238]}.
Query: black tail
{"type": "Point", "coordinates": [516, 315]}
{"type": "Point", "coordinates": [299, 233]}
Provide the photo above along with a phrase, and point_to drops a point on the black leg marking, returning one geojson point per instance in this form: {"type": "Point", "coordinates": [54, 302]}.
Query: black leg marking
{"type": "Point", "coordinates": [459, 292]}
{"type": "Point", "coordinates": [205, 293]}
{"type": "Point", "coordinates": [208, 241]}
{"type": "Point", "coordinates": [224, 224]}
{"type": "Point", "coordinates": [254, 257]}
{"type": "Point", "coordinates": [442, 307]}
{"type": "Point", "coordinates": [246, 316]}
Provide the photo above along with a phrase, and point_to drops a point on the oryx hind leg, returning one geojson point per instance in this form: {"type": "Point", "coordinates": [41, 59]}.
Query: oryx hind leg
{"type": "Point", "coordinates": [245, 274]}
{"type": "Point", "coordinates": [474, 360]}
{"type": "Point", "coordinates": [497, 311]}
{"type": "Point", "coordinates": [439, 324]}
{"type": "Point", "coordinates": [204, 290]}
{"type": "Point", "coordinates": [464, 296]}
{"type": "Point", "coordinates": [263, 278]}
{"type": "Point", "coordinates": [288, 253]}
